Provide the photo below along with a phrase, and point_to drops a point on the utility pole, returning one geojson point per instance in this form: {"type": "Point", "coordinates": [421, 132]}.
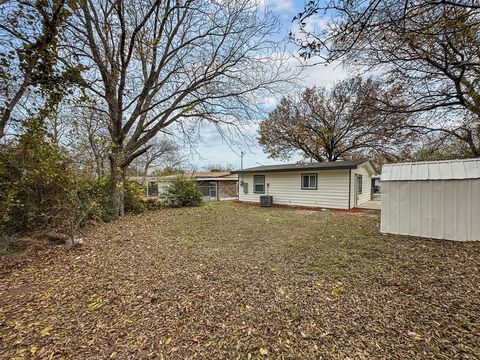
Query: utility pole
{"type": "Point", "coordinates": [241, 159]}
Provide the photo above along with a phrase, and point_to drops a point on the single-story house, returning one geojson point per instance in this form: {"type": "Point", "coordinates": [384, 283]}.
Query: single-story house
{"type": "Point", "coordinates": [338, 185]}
{"type": "Point", "coordinates": [434, 199]}
{"type": "Point", "coordinates": [216, 185]}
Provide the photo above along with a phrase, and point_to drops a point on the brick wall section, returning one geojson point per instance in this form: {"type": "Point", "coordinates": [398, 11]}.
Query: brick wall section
{"type": "Point", "coordinates": [227, 189]}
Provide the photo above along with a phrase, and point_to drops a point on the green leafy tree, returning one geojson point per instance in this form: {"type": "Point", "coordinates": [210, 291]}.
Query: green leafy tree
{"type": "Point", "coordinates": [30, 60]}
{"type": "Point", "coordinates": [41, 189]}
{"type": "Point", "coordinates": [34, 175]}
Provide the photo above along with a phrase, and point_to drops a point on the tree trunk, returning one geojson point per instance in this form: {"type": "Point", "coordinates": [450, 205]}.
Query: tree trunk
{"type": "Point", "coordinates": [3, 124]}
{"type": "Point", "coordinates": [117, 186]}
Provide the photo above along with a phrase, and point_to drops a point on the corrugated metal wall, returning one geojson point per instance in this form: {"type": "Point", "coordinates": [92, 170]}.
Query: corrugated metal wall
{"type": "Point", "coordinates": [442, 209]}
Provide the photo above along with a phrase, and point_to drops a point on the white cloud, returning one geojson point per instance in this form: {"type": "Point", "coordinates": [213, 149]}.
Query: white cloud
{"type": "Point", "coordinates": [314, 73]}
{"type": "Point", "coordinates": [270, 101]}
{"type": "Point", "coordinates": [277, 5]}
{"type": "Point", "coordinates": [281, 5]}
{"type": "Point", "coordinates": [323, 75]}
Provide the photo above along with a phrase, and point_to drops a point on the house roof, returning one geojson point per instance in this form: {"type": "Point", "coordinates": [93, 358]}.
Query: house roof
{"type": "Point", "coordinates": [432, 170]}
{"type": "Point", "coordinates": [143, 179]}
{"type": "Point", "coordinates": [209, 175]}
{"type": "Point", "coordinates": [333, 165]}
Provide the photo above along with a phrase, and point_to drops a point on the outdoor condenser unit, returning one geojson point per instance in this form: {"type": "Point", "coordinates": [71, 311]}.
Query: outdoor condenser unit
{"type": "Point", "coordinates": [266, 200]}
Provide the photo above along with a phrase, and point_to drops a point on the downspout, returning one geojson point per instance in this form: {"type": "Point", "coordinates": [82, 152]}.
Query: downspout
{"type": "Point", "coordinates": [241, 175]}
{"type": "Point", "coordinates": [349, 186]}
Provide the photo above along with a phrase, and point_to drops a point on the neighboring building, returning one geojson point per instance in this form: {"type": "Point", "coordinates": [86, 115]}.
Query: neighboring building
{"type": "Point", "coordinates": [217, 185]}
{"type": "Point", "coordinates": [339, 184]}
{"type": "Point", "coordinates": [435, 199]}
{"type": "Point", "coordinates": [149, 183]}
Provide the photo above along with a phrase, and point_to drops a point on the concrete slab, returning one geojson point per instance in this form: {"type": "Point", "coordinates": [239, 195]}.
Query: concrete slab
{"type": "Point", "coordinates": [374, 204]}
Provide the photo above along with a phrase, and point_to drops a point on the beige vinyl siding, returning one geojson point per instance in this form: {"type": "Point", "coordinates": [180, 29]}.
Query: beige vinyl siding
{"type": "Point", "coordinates": [286, 188]}
{"type": "Point", "coordinates": [366, 194]}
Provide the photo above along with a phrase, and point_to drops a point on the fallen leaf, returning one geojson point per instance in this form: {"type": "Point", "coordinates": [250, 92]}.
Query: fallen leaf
{"type": "Point", "coordinates": [45, 331]}
{"type": "Point", "coordinates": [336, 291]}
{"type": "Point", "coordinates": [97, 303]}
{"type": "Point", "coordinates": [263, 351]}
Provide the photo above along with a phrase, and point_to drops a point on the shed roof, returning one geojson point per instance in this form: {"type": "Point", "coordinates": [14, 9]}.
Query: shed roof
{"type": "Point", "coordinates": [333, 165]}
{"type": "Point", "coordinates": [432, 170]}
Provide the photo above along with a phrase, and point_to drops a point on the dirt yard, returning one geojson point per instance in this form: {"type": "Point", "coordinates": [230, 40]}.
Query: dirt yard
{"type": "Point", "coordinates": [232, 281]}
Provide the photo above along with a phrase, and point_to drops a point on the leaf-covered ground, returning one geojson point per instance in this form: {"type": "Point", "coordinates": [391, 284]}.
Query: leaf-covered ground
{"type": "Point", "coordinates": [228, 281]}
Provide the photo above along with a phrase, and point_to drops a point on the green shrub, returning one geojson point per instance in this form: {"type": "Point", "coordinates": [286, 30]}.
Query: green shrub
{"type": "Point", "coordinates": [155, 203]}
{"type": "Point", "coordinates": [135, 200]}
{"type": "Point", "coordinates": [34, 177]}
{"type": "Point", "coordinates": [98, 189]}
{"type": "Point", "coordinates": [182, 192]}
{"type": "Point", "coordinates": [38, 186]}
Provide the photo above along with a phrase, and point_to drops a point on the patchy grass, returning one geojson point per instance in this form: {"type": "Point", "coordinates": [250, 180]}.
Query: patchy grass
{"type": "Point", "coordinates": [233, 281]}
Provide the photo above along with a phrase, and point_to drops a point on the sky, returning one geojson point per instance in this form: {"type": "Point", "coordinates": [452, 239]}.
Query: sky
{"type": "Point", "coordinates": [214, 149]}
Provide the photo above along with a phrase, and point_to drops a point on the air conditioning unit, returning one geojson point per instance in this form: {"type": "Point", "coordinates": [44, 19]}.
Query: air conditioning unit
{"type": "Point", "coordinates": [266, 200]}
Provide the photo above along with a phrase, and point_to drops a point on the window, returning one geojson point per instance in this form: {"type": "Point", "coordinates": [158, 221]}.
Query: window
{"type": "Point", "coordinates": [152, 188]}
{"type": "Point", "coordinates": [259, 184]}
{"type": "Point", "coordinates": [359, 184]}
{"type": "Point", "coordinates": [309, 181]}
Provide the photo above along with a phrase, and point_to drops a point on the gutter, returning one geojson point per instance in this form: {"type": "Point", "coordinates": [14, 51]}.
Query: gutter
{"type": "Point", "coordinates": [344, 167]}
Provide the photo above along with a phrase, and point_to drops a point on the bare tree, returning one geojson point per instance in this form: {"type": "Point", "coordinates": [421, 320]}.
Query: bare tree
{"type": "Point", "coordinates": [329, 125]}
{"type": "Point", "coordinates": [88, 139]}
{"type": "Point", "coordinates": [156, 63]}
{"type": "Point", "coordinates": [430, 49]}
{"type": "Point", "coordinates": [163, 153]}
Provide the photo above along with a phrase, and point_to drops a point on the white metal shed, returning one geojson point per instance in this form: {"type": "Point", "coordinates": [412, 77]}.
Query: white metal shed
{"type": "Point", "coordinates": [435, 199]}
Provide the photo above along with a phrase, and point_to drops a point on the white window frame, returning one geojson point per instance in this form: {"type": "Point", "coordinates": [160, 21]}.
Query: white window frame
{"type": "Point", "coordinates": [310, 175]}
{"type": "Point", "coordinates": [255, 184]}
{"type": "Point", "coordinates": [359, 184]}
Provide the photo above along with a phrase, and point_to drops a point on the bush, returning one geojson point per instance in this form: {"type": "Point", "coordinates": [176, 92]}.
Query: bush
{"type": "Point", "coordinates": [135, 200]}
{"type": "Point", "coordinates": [41, 189]}
{"type": "Point", "coordinates": [182, 192]}
{"type": "Point", "coordinates": [97, 189]}
{"type": "Point", "coordinates": [38, 186]}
